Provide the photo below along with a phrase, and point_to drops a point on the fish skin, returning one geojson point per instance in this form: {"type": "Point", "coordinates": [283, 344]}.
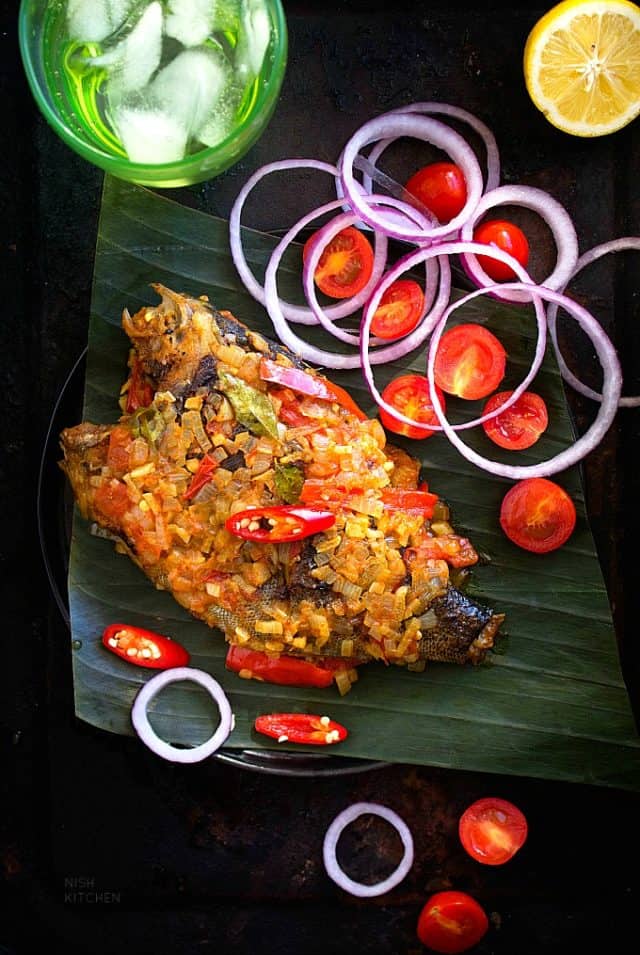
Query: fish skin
{"type": "Point", "coordinates": [176, 344]}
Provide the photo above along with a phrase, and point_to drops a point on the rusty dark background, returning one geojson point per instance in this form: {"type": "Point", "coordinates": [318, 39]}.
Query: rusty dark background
{"type": "Point", "coordinates": [105, 848]}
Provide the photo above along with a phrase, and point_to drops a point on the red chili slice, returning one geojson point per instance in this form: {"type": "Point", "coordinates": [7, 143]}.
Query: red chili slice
{"type": "Point", "coordinates": [280, 523]}
{"type": "Point", "coordinates": [301, 728]}
{"type": "Point", "coordinates": [492, 830]}
{"type": "Point", "coordinates": [285, 670]}
{"type": "Point", "coordinates": [202, 476]}
{"type": "Point", "coordinates": [321, 491]}
{"type": "Point", "coordinates": [409, 501]}
{"type": "Point", "coordinates": [144, 647]}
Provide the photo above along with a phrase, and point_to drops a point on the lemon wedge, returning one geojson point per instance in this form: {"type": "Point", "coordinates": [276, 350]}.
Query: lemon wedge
{"type": "Point", "coordinates": [582, 65]}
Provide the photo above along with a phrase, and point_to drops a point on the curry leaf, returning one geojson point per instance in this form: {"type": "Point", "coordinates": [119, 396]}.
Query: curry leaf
{"type": "Point", "coordinates": [252, 408]}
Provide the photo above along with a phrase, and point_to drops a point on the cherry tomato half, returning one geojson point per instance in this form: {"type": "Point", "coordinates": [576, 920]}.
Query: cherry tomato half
{"type": "Point", "coordinates": [346, 263]}
{"type": "Point", "coordinates": [521, 425]}
{"type": "Point", "coordinates": [452, 922]}
{"type": "Point", "coordinates": [537, 515]}
{"type": "Point", "coordinates": [492, 830]}
{"type": "Point", "coordinates": [144, 647]}
{"type": "Point", "coordinates": [409, 394]}
{"type": "Point", "coordinates": [470, 361]}
{"type": "Point", "coordinates": [399, 311]}
{"type": "Point", "coordinates": [441, 187]}
{"type": "Point", "coordinates": [506, 236]}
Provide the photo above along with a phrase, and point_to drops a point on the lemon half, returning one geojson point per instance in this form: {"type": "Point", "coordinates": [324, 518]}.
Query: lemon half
{"type": "Point", "coordinates": [582, 65]}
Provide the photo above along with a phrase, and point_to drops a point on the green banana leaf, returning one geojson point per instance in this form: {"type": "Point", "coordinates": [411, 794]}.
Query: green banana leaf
{"type": "Point", "coordinates": [553, 704]}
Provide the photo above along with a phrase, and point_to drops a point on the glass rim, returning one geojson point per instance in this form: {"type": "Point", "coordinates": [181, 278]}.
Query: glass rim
{"type": "Point", "coordinates": [117, 165]}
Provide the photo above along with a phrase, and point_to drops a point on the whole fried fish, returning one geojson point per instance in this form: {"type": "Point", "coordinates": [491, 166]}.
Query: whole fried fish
{"type": "Point", "coordinates": [219, 420]}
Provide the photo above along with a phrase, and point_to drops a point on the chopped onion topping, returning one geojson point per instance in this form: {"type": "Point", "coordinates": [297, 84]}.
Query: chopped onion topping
{"type": "Point", "coordinates": [148, 735]}
{"type": "Point", "coordinates": [345, 818]}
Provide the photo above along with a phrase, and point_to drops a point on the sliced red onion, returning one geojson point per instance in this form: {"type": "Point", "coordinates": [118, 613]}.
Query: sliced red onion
{"type": "Point", "coordinates": [394, 125]}
{"type": "Point", "coordinates": [606, 413]}
{"type": "Point", "coordinates": [439, 318]}
{"type": "Point", "coordinates": [335, 830]}
{"type": "Point", "coordinates": [149, 736]}
{"type": "Point", "coordinates": [627, 243]}
{"type": "Point", "coordinates": [322, 357]}
{"type": "Point", "coordinates": [301, 314]}
{"type": "Point", "coordinates": [453, 112]}
{"type": "Point", "coordinates": [553, 213]}
{"type": "Point", "coordinates": [323, 237]}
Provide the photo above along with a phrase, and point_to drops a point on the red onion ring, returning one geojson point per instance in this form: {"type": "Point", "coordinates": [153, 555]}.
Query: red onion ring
{"type": "Point", "coordinates": [394, 125]}
{"type": "Point", "coordinates": [606, 413]}
{"type": "Point", "coordinates": [627, 243]}
{"type": "Point", "coordinates": [149, 736]}
{"type": "Point", "coordinates": [324, 236]}
{"type": "Point", "coordinates": [333, 833]}
{"type": "Point", "coordinates": [444, 249]}
{"type": "Point", "coordinates": [297, 313]}
{"type": "Point", "coordinates": [319, 356]}
{"type": "Point", "coordinates": [549, 209]}
{"type": "Point", "coordinates": [454, 112]}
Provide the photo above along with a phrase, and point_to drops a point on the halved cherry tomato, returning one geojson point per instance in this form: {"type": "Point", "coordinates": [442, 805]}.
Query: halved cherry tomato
{"type": "Point", "coordinates": [537, 515]}
{"type": "Point", "coordinates": [521, 425]}
{"type": "Point", "coordinates": [399, 311]}
{"type": "Point", "coordinates": [301, 728]}
{"type": "Point", "coordinates": [506, 236]}
{"type": "Point", "coordinates": [409, 394]}
{"type": "Point", "coordinates": [306, 384]}
{"type": "Point", "coordinates": [470, 361]}
{"type": "Point", "coordinates": [202, 476]}
{"type": "Point", "coordinates": [144, 647]}
{"type": "Point", "coordinates": [441, 187]}
{"type": "Point", "coordinates": [280, 523]}
{"type": "Point", "coordinates": [492, 830]}
{"type": "Point", "coordinates": [140, 393]}
{"type": "Point", "coordinates": [452, 922]}
{"type": "Point", "coordinates": [285, 670]}
{"type": "Point", "coordinates": [346, 264]}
